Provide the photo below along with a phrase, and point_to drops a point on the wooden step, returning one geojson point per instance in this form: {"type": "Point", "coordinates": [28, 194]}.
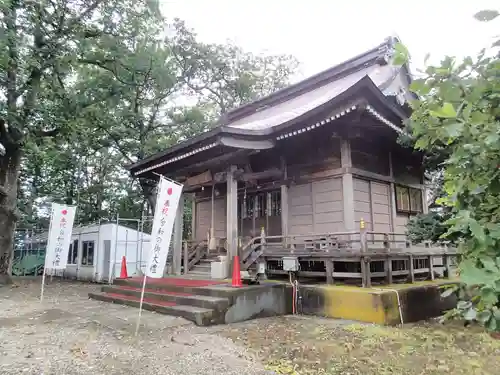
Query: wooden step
{"type": "Point", "coordinates": [199, 315]}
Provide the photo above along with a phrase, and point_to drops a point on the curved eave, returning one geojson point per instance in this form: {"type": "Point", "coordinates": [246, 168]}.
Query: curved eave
{"type": "Point", "coordinates": [224, 137]}
{"type": "Point", "coordinates": [159, 162]}
{"type": "Point", "coordinates": [364, 94]}
{"type": "Point", "coordinates": [199, 143]}
{"type": "Point", "coordinates": [207, 136]}
{"type": "Point", "coordinates": [378, 98]}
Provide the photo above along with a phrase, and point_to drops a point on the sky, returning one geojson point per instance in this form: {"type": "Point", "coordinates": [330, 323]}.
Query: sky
{"type": "Point", "coordinates": [323, 33]}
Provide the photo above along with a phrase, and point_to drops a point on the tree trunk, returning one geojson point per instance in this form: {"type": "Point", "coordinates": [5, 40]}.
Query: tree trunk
{"type": "Point", "coordinates": [9, 171]}
{"type": "Point", "coordinates": [149, 191]}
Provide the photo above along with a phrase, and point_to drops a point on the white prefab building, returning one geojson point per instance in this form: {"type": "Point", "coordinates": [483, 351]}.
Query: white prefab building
{"type": "Point", "coordinates": [96, 251]}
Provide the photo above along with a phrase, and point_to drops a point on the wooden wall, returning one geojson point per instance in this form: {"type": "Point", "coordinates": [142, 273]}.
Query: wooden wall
{"type": "Point", "coordinates": [400, 223]}
{"type": "Point", "coordinates": [319, 158]}
{"type": "Point", "coordinates": [370, 156]}
{"type": "Point", "coordinates": [204, 216]}
{"type": "Point", "coordinates": [372, 199]}
{"type": "Point", "coordinates": [316, 207]}
{"type": "Point", "coordinates": [372, 203]}
{"type": "Point", "coordinates": [407, 168]}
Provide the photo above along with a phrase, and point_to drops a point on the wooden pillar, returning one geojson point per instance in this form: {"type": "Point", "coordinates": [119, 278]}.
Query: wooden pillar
{"type": "Point", "coordinates": [367, 272]}
{"type": "Point", "coordinates": [392, 196]}
{"type": "Point", "coordinates": [388, 269]}
{"type": "Point", "coordinates": [425, 207]}
{"type": "Point", "coordinates": [393, 207]}
{"type": "Point", "coordinates": [447, 266]}
{"type": "Point", "coordinates": [372, 211]}
{"type": "Point", "coordinates": [186, 258]}
{"type": "Point", "coordinates": [284, 213]}
{"type": "Point", "coordinates": [212, 243]}
{"type": "Point", "coordinates": [193, 217]}
{"type": "Point", "coordinates": [177, 237]}
{"type": "Point", "coordinates": [231, 216]}
{"type": "Point", "coordinates": [284, 203]}
{"type": "Point", "coordinates": [348, 195]}
{"type": "Point", "coordinates": [431, 267]}
{"type": "Point", "coordinates": [411, 269]}
{"type": "Point", "coordinates": [329, 271]}
{"type": "Point", "coordinates": [347, 186]}
{"type": "Point", "coordinates": [254, 214]}
{"type": "Point", "coordinates": [268, 210]}
{"type": "Point", "coordinates": [365, 262]}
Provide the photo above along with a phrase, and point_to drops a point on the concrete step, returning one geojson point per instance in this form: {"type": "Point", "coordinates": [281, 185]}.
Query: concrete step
{"type": "Point", "coordinates": [179, 298]}
{"type": "Point", "coordinates": [207, 262]}
{"type": "Point", "coordinates": [204, 272]}
{"type": "Point", "coordinates": [199, 315]}
{"type": "Point", "coordinates": [203, 267]}
{"type": "Point", "coordinates": [196, 284]}
{"type": "Point", "coordinates": [199, 274]}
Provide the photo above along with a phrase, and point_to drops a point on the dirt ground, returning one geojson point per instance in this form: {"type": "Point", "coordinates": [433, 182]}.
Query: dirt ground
{"type": "Point", "coordinates": [307, 345]}
{"type": "Point", "coordinates": [71, 335]}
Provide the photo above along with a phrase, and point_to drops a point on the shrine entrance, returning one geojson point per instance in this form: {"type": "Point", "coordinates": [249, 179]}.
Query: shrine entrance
{"type": "Point", "coordinates": [257, 210]}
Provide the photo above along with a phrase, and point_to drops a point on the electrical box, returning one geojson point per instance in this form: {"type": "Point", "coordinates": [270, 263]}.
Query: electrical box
{"type": "Point", "coordinates": [290, 264]}
{"type": "Point", "coordinates": [261, 268]}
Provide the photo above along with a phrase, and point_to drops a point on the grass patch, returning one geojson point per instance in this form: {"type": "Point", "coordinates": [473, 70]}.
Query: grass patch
{"type": "Point", "coordinates": [303, 346]}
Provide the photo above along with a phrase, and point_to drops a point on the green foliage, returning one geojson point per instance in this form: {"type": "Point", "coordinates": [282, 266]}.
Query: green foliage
{"type": "Point", "coordinates": [87, 87]}
{"type": "Point", "coordinates": [226, 75]}
{"type": "Point", "coordinates": [459, 111]}
{"type": "Point", "coordinates": [428, 227]}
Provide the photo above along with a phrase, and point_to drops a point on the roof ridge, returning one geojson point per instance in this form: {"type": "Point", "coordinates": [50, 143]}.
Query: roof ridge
{"type": "Point", "coordinates": [383, 50]}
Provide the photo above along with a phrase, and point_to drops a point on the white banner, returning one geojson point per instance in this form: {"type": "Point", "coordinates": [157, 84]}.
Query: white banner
{"type": "Point", "coordinates": [61, 227]}
{"type": "Point", "coordinates": [167, 200]}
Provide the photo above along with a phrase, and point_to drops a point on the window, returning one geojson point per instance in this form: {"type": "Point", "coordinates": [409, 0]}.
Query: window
{"type": "Point", "coordinates": [73, 252]}
{"type": "Point", "coordinates": [87, 253]}
{"type": "Point", "coordinates": [275, 203]}
{"type": "Point", "coordinates": [415, 200]}
{"type": "Point", "coordinates": [260, 205]}
{"type": "Point", "coordinates": [408, 200]}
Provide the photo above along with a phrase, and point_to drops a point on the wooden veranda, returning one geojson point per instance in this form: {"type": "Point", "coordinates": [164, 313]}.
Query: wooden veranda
{"type": "Point", "coordinates": [362, 257]}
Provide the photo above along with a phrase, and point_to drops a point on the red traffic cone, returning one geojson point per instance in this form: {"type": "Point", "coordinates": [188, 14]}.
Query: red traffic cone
{"type": "Point", "coordinates": [123, 272]}
{"type": "Point", "coordinates": [236, 279]}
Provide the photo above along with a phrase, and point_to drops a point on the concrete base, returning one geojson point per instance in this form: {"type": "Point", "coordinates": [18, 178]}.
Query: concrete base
{"type": "Point", "coordinates": [198, 315]}
{"type": "Point", "coordinates": [256, 301]}
{"type": "Point", "coordinates": [204, 302]}
{"type": "Point", "coordinates": [377, 305]}
{"type": "Point", "coordinates": [210, 302]}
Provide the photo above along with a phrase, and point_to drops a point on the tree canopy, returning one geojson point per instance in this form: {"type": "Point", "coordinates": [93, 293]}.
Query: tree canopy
{"type": "Point", "coordinates": [458, 119]}
{"type": "Point", "coordinates": [88, 86]}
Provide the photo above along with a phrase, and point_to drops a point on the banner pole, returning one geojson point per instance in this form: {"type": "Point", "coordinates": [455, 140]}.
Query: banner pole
{"type": "Point", "coordinates": [140, 305]}
{"type": "Point", "coordinates": [43, 284]}
{"type": "Point", "coordinates": [46, 252]}
{"type": "Point", "coordinates": [158, 255]}
{"type": "Point", "coordinates": [168, 179]}
{"type": "Point", "coordinates": [62, 243]}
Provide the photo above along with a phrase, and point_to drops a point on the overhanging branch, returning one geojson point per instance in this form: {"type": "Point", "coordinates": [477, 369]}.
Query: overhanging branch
{"type": "Point", "coordinates": [47, 133]}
